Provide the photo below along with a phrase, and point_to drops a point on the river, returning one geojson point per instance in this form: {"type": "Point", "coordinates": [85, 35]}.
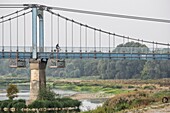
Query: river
{"type": "Point", "coordinates": [24, 94]}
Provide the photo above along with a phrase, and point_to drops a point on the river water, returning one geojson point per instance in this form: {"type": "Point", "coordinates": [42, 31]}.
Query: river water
{"type": "Point", "coordinates": [24, 94]}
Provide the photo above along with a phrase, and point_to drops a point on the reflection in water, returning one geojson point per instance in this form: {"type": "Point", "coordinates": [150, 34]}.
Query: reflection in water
{"type": "Point", "coordinates": [86, 104]}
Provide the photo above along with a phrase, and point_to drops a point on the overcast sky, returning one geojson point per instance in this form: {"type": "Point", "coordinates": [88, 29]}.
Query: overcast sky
{"type": "Point", "coordinates": [152, 31]}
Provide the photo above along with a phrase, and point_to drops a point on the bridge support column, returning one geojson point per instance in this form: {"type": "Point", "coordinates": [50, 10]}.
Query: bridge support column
{"type": "Point", "coordinates": [38, 78]}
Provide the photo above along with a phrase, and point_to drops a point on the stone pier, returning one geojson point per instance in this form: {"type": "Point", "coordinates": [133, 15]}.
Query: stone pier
{"type": "Point", "coordinates": [37, 78]}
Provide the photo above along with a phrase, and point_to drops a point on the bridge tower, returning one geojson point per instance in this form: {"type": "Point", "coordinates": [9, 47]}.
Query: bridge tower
{"type": "Point", "coordinates": [37, 65]}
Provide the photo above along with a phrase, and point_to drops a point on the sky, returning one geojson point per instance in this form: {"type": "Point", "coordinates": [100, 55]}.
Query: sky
{"type": "Point", "coordinates": [152, 31]}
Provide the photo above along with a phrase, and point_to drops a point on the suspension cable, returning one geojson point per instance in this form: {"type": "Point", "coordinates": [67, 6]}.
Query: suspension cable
{"type": "Point", "coordinates": [15, 17]}
{"type": "Point", "coordinates": [66, 34]}
{"type": "Point", "coordinates": [106, 32]}
{"type": "Point", "coordinates": [14, 12]}
{"type": "Point", "coordinates": [111, 15]}
{"type": "Point", "coordinates": [51, 32]}
{"type": "Point", "coordinates": [10, 7]}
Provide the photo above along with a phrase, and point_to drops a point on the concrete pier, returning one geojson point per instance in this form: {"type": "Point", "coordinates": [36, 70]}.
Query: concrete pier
{"type": "Point", "coordinates": [37, 78]}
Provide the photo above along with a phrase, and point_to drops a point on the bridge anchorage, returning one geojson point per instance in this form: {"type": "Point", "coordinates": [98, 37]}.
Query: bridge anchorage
{"type": "Point", "coordinates": [90, 42]}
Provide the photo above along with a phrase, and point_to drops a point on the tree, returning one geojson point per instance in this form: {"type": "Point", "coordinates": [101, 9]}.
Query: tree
{"type": "Point", "coordinates": [12, 91]}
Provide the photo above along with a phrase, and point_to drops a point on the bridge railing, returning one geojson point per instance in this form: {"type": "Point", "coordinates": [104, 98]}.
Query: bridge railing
{"type": "Point", "coordinates": [15, 48]}
{"type": "Point", "coordinates": [89, 49]}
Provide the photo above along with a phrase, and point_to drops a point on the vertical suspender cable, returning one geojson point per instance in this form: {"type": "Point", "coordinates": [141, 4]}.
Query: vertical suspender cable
{"type": "Point", "coordinates": [94, 40]}
{"type": "Point", "coordinates": [72, 34]}
{"type": "Point", "coordinates": [80, 37]}
{"type": "Point", "coordinates": [24, 37]}
{"type": "Point", "coordinates": [100, 40]}
{"type": "Point", "coordinates": [153, 47]}
{"type": "Point", "coordinates": [168, 47]}
{"type": "Point", "coordinates": [2, 35]}
{"type": "Point", "coordinates": [51, 32]}
{"type": "Point", "coordinates": [113, 41]}
{"type": "Point", "coordinates": [123, 40]}
{"type": "Point", "coordinates": [17, 31]}
{"type": "Point", "coordinates": [109, 42]}
{"type": "Point", "coordinates": [156, 47]}
{"type": "Point", "coordinates": [138, 48]}
{"type": "Point", "coordinates": [58, 19]}
{"type": "Point", "coordinates": [10, 36]}
{"type": "Point", "coordinates": [66, 34]}
{"type": "Point", "coordinates": [86, 37]}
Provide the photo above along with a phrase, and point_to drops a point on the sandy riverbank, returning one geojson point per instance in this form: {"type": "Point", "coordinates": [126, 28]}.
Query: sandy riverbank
{"type": "Point", "coordinates": [81, 96]}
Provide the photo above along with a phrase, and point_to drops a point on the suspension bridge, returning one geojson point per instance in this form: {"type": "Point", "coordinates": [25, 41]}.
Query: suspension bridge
{"type": "Point", "coordinates": [69, 39]}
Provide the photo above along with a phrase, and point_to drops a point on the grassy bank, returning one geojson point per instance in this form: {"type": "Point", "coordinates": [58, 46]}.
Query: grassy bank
{"type": "Point", "coordinates": [90, 87]}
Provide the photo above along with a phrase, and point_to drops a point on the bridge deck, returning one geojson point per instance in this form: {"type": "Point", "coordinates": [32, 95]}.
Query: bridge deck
{"type": "Point", "coordinates": [85, 55]}
{"type": "Point", "coordinates": [118, 53]}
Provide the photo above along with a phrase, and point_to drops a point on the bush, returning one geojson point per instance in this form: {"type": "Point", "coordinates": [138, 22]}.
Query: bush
{"type": "Point", "coordinates": [10, 105]}
{"type": "Point", "coordinates": [58, 103]}
{"type": "Point", "coordinates": [131, 87]}
{"type": "Point", "coordinates": [21, 100]}
{"type": "Point", "coordinates": [46, 94]}
{"type": "Point", "coordinates": [150, 87]}
{"type": "Point", "coordinates": [19, 105]}
{"type": "Point", "coordinates": [117, 86]}
{"type": "Point", "coordinates": [5, 103]}
{"type": "Point", "coordinates": [37, 104]}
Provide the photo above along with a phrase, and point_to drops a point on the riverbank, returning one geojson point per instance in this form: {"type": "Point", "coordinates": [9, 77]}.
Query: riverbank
{"type": "Point", "coordinates": [82, 96]}
{"type": "Point", "coordinates": [87, 90]}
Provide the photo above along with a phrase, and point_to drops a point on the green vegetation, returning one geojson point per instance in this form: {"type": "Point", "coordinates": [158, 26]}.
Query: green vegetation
{"type": "Point", "coordinates": [18, 104]}
{"type": "Point", "coordinates": [48, 99]}
{"type": "Point", "coordinates": [12, 91]}
{"type": "Point", "coordinates": [91, 86]}
{"type": "Point", "coordinates": [46, 94]}
{"type": "Point", "coordinates": [57, 103]}
{"type": "Point", "coordinates": [150, 87]}
{"type": "Point", "coordinates": [135, 99]}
